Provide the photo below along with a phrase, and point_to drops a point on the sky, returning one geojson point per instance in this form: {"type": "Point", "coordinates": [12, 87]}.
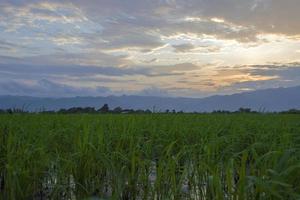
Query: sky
{"type": "Point", "coordinates": [187, 48]}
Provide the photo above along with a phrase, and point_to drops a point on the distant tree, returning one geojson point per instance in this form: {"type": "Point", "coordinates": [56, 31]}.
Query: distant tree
{"type": "Point", "coordinates": [88, 110]}
{"type": "Point", "coordinates": [245, 110]}
{"type": "Point", "coordinates": [167, 111]}
{"type": "Point", "coordinates": [9, 111]}
{"type": "Point", "coordinates": [62, 111]}
{"type": "Point", "coordinates": [47, 112]}
{"type": "Point", "coordinates": [148, 111]}
{"type": "Point", "coordinates": [173, 111]}
{"type": "Point", "coordinates": [154, 109]}
{"type": "Point", "coordinates": [74, 110]}
{"type": "Point", "coordinates": [221, 111]}
{"type": "Point", "coordinates": [117, 110]}
{"type": "Point", "coordinates": [104, 109]}
{"type": "Point", "coordinates": [139, 111]}
{"type": "Point", "coordinates": [292, 111]}
{"type": "Point", "coordinates": [128, 111]}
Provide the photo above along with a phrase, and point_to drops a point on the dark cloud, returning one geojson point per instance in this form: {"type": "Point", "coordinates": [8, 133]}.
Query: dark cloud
{"type": "Point", "coordinates": [69, 70]}
{"type": "Point", "coordinates": [87, 72]}
{"type": "Point", "coordinates": [6, 45]}
{"type": "Point", "coordinates": [34, 81]}
{"type": "Point", "coordinates": [184, 48]}
{"type": "Point", "coordinates": [244, 19]}
{"type": "Point", "coordinates": [150, 61]}
{"type": "Point", "coordinates": [64, 65]}
{"type": "Point", "coordinates": [95, 59]}
{"type": "Point", "coordinates": [285, 72]}
{"type": "Point", "coordinates": [181, 48]}
{"type": "Point", "coordinates": [170, 70]}
{"type": "Point", "coordinates": [135, 23]}
{"type": "Point", "coordinates": [288, 75]}
{"type": "Point", "coordinates": [285, 75]}
{"type": "Point", "coordinates": [269, 16]}
{"type": "Point", "coordinates": [77, 39]}
{"type": "Point", "coordinates": [49, 88]}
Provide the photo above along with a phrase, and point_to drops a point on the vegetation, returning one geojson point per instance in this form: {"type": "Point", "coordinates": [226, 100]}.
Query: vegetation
{"type": "Point", "coordinates": [118, 110]}
{"type": "Point", "coordinates": [153, 156]}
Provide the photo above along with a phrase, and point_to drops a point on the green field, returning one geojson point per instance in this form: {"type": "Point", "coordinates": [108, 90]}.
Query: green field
{"type": "Point", "coordinates": [154, 156]}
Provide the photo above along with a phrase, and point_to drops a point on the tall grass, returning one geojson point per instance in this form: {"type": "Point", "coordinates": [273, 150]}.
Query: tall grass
{"type": "Point", "coordinates": [156, 156]}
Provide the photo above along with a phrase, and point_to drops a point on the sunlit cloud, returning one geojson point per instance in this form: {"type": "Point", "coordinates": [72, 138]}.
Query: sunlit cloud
{"type": "Point", "coordinates": [191, 48]}
{"type": "Point", "coordinates": [217, 20]}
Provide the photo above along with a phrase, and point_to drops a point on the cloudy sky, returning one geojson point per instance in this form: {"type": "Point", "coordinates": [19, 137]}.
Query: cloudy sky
{"type": "Point", "coordinates": [191, 48]}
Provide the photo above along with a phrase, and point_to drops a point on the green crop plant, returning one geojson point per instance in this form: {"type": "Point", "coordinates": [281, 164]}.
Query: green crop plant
{"type": "Point", "coordinates": [150, 156]}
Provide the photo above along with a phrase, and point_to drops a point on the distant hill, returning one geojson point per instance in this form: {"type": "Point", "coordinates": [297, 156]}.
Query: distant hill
{"type": "Point", "coordinates": [278, 99]}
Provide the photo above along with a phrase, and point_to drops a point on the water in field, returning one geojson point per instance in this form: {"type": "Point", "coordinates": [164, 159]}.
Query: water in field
{"type": "Point", "coordinates": [149, 156]}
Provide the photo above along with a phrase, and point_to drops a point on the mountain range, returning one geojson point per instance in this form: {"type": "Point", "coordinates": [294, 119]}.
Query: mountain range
{"type": "Point", "coordinates": [277, 99]}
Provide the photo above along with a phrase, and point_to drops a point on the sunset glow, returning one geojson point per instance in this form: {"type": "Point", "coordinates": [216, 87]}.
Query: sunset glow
{"type": "Point", "coordinates": [191, 48]}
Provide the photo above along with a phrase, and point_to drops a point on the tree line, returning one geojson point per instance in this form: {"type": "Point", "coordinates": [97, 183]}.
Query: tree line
{"type": "Point", "coordinates": [118, 110]}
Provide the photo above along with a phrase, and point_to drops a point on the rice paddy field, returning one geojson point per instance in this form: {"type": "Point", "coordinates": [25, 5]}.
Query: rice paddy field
{"type": "Point", "coordinates": [150, 156]}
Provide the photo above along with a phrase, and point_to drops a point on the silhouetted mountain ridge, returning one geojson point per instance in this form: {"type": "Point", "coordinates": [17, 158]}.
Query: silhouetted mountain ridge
{"type": "Point", "coordinates": [277, 99]}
